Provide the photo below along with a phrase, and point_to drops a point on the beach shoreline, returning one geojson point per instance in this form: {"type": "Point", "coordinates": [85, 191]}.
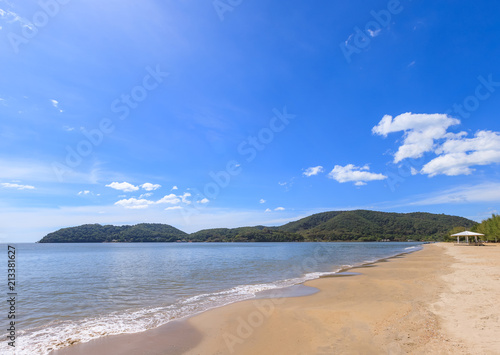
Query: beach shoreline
{"type": "Point", "coordinates": [393, 306]}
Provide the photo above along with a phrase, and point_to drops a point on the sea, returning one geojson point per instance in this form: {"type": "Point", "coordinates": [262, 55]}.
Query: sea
{"type": "Point", "coordinates": [73, 293]}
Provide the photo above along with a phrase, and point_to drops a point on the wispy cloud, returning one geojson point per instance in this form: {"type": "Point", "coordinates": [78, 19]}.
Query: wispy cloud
{"type": "Point", "coordinates": [173, 208]}
{"type": "Point", "coordinates": [36, 170]}
{"type": "Point", "coordinates": [12, 17]}
{"type": "Point", "coordinates": [150, 187]}
{"type": "Point", "coordinates": [486, 192]}
{"type": "Point", "coordinates": [373, 33]}
{"type": "Point", "coordinates": [279, 209]}
{"type": "Point", "coordinates": [262, 200]}
{"type": "Point", "coordinates": [185, 196]}
{"type": "Point", "coordinates": [7, 185]}
{"type": "Point", "coordinates": [55, 103]}
{"type": "Point", "coordinates": [133, 203]}
{"type": "Point", "coordinates": [313, 171]}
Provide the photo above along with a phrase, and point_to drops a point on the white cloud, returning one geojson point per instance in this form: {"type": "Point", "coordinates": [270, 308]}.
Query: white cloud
{"type": "Point", "coordinates": [133, 203]}
{"type": "Point", "coordinates": [174, 188]}
{"type": "Point", "coordinates": [55, 103]}
{"type": "Point", "coordinates": [85, 192]}
{"type": "Point", "coordinates": [287, 184]}
{"type": "Point", "coordinates": [262, 200]}
{"type": "Point", "coordinates": [268, 210]}
{"type": "Point", "coordinates": [68, 128]}
{"type": "Point", "coordinates": [351, 173]}
{"type": "Point", "coordinates": [420, 132]}
{"type": "Point", "coordinates": [374, 33]}
{"type": "Point", "coordinates": [279, 209]}
{"type": "Point", "coordinates": [184, 198]}
{"type": "Point", "coordinates": [150, 187]}
{"type": "Point", "coordinates": [123, 186]}
{"type": "Point", "coordinates": [204, 200]}
{"type": "Point", "coordinates": [171, 199]}
{"type": "Point", "coordinates": [173, 208]}
{"type": "Point", "coordinates": [147, 194]}
{"type": "Point", "coordinates": [313, 171]}
{"type": "Point", "coordinates": [7, 185]}
{"type": "Point", "coordinates": [459, 154]}
{"type": "Point", "coordinates": [12, 17]}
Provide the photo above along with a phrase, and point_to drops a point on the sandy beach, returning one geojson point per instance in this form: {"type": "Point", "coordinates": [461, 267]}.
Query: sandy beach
{"type": "Point", "coordinates": [441, 300]}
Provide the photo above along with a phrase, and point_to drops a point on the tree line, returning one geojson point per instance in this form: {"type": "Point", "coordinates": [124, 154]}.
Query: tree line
{"type": "Point", "coordinates": [358, 225]}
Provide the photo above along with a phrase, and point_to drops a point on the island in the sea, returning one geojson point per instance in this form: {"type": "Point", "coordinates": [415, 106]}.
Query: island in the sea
{"type": "Point", "coordinates": [356, 225]}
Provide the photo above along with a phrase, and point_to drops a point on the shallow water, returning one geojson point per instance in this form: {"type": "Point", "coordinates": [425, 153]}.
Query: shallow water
{"type": "Point", "coordinates": [77, 292]}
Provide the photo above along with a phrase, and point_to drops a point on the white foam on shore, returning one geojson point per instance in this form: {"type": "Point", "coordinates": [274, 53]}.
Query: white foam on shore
{"type": "Point", "coordinates": [60, 334]}
{"type": "Point", "coordinates": [413, 247]}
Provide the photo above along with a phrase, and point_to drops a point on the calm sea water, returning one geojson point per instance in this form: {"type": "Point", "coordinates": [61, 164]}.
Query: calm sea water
{"type": "Point", "coordinates": [78, 292]}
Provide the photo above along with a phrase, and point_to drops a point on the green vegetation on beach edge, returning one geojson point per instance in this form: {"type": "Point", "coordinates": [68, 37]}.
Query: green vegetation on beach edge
{"type": "Point", "coordinates": [357, 225]}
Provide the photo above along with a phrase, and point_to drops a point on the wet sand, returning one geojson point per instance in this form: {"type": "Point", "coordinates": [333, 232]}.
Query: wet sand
{"type": "Point", "coordinates": [441, 300]}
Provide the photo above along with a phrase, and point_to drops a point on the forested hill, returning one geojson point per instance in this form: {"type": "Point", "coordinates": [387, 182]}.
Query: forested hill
{"type": "Point", "coordinates": [95, 233]}
{"type": "Point", "coordinates": [359, 225]}
{"type": "Point", "coordinates": [366, 225]}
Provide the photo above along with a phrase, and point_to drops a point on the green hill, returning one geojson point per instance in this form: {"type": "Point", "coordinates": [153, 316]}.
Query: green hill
{"type": "Point", "coordinates": [95, 233]}
{"type": "Point", "coordinates": [366, 225]}
{"type": "Point", "coordinates": [358, 225]}
{"type": "Point", "coordinates": [245, 234]}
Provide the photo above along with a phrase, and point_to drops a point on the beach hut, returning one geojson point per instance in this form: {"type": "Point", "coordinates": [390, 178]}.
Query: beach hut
{"type": "Point", "coordinates": [467, 234]}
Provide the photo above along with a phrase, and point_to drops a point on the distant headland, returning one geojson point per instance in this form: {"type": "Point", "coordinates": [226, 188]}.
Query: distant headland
{"type": "Point", "coordinates": [356, 225]}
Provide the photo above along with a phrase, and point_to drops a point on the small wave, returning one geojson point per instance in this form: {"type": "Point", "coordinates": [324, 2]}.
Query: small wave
{"type": "Point", "coordinates": [43, 340]}
{"type": "Point", "coordinates": [60, 334]}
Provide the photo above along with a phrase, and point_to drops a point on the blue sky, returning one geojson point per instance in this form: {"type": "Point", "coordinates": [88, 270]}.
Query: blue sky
{"type": "Point", "coordinates": [229, 113]}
